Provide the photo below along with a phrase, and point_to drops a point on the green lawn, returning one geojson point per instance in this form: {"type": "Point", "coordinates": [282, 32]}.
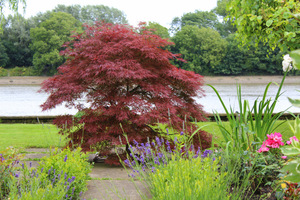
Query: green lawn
{"type": "Point", "coordinates": [45, 136]}
{"type": "Point", "coordinates": [30, 135]}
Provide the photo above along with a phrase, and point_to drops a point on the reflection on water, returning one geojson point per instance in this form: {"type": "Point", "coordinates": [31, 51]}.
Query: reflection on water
{"type": "Point", "coordinates": [20, 100]}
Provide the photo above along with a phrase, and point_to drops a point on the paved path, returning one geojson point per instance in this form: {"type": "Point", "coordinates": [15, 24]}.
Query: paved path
{"type": "Point", "coordinates": [108, 182]}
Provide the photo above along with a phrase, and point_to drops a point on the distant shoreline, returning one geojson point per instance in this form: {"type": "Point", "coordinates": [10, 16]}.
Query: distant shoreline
{"type": "Point", "coordinates": [37, 80]}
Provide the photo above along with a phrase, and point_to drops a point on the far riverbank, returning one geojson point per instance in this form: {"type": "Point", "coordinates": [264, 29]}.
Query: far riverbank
{"type": "Point", "coordinates": [37, 80]}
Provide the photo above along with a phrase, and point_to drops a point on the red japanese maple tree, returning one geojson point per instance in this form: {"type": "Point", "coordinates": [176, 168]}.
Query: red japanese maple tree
{"type": "Point", "coordinates": [126, 77]}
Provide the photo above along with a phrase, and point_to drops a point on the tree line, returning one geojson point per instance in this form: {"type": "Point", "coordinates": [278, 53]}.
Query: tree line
{"type": "Point", "coordinates": [203, 38]}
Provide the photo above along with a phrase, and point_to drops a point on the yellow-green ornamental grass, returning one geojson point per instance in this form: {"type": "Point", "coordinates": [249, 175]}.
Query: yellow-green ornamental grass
{"type": "Point", "coordinates": [197, 178]}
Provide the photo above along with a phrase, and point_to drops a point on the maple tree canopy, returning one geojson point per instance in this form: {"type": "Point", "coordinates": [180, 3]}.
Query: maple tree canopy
{"type": "Point", "coordinates": [126, 77]}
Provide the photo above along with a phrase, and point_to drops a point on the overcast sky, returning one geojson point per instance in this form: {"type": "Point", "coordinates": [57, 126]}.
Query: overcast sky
{"type": "Point", "coordinates": [160, 11]}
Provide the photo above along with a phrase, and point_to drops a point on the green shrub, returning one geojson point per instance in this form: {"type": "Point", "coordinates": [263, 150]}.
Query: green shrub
{"type": "Point", "coordinates": [189, 179]}
{"type": "Point", "coordinates": [34, 186]}
{"type": "Point", "coordinates": [8, 159]}
{"type": "Point", "coordinates": [72, 167]}
{"type": "Point", "coordinates": [22, 71]}
{"type": "Point", "coordinates": [3, 72]}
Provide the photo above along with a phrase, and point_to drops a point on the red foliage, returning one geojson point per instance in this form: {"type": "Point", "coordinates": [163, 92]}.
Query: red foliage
{"type": "Point", "coordinates": [127, 78]}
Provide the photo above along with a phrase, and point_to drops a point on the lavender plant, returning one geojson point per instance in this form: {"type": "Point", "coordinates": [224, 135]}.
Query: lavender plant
{"type": "Point", "coordinates": [175, 170]}
{"type": "Point", "coordinates": [71, 166]}
{"type": "Point", "coordinates": [63, 175]}
{"type": "Point", "coordinates": [8, 159]}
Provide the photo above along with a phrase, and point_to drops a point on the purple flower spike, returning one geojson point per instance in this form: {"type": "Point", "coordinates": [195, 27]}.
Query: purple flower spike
{"type": "Point", "coordinates": [30, 164]}
{"type": "Point", "coordinates": [17, 175]}
{"type": "Point", "coordinates": [175, 140]}
{"type": "Point", "coordinates": [73, 178]}
{"type": "Point", "coordinates": [152, 170]}
{"type": "Point", "coordinates": [73, 189]}
{"type": "Point", "coordinates": [66, 158]}
{"type": "Point", "coordinates": [42, 170]}
{"type": "Point", "coordinates": [80, 194]}
{"type": "Point", "coordinates": [158, 141]}
{"type": "Point", "coordinates": [181, 133]}
{"type": "Point", "coordinates": [206, 153]}
{"type": "Point", "coordinates": [135, 143]}
{"type": "Point", "coordinates": [22, 165]}
{"type": "Point", "coordinates": [49, 172]}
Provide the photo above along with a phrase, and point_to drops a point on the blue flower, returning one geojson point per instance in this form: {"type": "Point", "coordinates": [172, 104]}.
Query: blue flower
{"type": "Point", "coordinates": [66, 158]}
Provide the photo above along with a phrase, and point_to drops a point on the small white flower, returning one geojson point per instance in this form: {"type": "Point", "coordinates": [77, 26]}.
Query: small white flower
{"type": "Point", "coordinates": [286, 66]}
{"type": "Point", "coordinates": [287, 58]}
{"type": "Point", "coordinates": [287, 63]}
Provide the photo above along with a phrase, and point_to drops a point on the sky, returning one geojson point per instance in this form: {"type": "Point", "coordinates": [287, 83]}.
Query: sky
{"type": "Point", "coordinates": [160, 11]}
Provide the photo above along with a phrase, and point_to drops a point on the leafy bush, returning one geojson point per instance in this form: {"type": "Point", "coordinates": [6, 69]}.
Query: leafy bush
{"type": "Point", "coordinates": [63, 175]}
{"type": "Point", "coordinates": [176, 170]}
{"type": "Point", "coordinates": [22, 71]}
{"type": "Point", "coordinates": [8, 159]}
{"type": "Point", "coordinates": [72, 166]}
{"type": "Point", "coordinates": [3, 72]}
{"type": "Point", "coordinates": [33, 184]}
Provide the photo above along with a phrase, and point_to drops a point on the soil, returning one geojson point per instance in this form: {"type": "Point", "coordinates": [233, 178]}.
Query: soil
{"type": "Point", "coordinates": [37, 80]}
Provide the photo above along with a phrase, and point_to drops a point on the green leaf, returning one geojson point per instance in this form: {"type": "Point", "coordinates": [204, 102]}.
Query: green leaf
{"type": "Point", "coordinates": [290, 151]}
{"type": "Point", "coordinates": [292, 169]}
{"type": "Point", "coordinates": [295, 102]}
{"type": "Point", "coordinates": [295, 55]}
{"type": "Point", "coordinates": [269, 22]}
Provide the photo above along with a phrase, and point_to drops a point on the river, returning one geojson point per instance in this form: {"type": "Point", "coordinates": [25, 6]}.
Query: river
{"type": "Point", "coordinates": [24, 100]}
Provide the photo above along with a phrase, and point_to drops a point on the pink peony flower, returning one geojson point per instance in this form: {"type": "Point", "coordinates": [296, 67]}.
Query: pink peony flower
{"type": "Point", "coordinates": [283, 157]}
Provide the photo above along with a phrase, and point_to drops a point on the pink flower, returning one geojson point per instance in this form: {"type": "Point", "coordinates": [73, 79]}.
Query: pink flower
{"type": "Point", "coordinates": [283, 157]}
{"type": "Point", "coordinates": [263, 148]}
{"type": "Point", "coordinates": [274, 141]}
{"type": "Point", "coordinates": [291, 139]}
{"type": "Point", "coordinates": [275, 145]}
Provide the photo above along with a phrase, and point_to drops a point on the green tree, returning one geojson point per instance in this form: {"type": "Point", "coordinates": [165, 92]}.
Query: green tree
{"type": "Point", "coordinates": [47, 41]}
{"type": "Point", "coordinates": [16, 39]}
{"type": "Point", "coordinates": [3, 55]}
{"type": "Point", "coordinates": [203, 48]}
{"type": "Point", "coordinates": [275, 22]}
{"type": "Point", "coordinates": [12, 5]}
{"type": "Point", "coordinates": [91, 13]}
{"type": "Point", "coordinates": [225, 27]}
{"type": "Point", "coordinates": [249, 61]}
{"type": "Point", "coordinates": [198, 18]}
{"type": "Point", "coordinates": [158, 29]}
